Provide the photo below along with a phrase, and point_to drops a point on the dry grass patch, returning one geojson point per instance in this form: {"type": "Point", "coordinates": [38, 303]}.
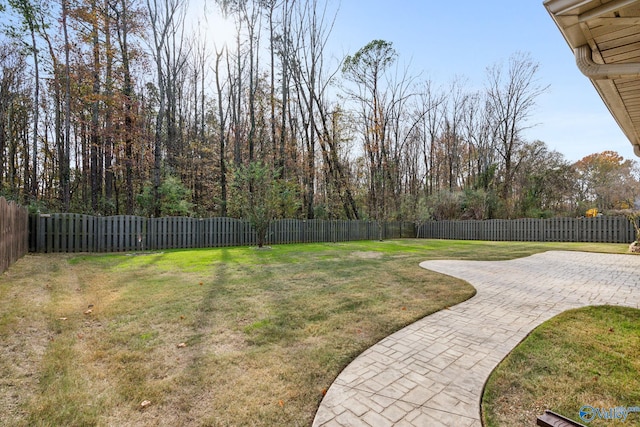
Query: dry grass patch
{"type": "Point", "coordinates": [211, 337]}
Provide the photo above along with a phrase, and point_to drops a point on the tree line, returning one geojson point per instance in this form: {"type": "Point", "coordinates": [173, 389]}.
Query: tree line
{"type": "Point", "coordinates": [125, 107]}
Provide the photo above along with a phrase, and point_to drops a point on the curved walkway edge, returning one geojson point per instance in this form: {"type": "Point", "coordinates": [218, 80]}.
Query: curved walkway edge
{"type": "Point", "coordinates": [432, 372]}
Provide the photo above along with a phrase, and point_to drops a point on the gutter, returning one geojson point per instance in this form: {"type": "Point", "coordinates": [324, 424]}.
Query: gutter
{"type": "Point", "coordinates": [594, 71]}
{"type": "Point", "coordinates": [563, 7]}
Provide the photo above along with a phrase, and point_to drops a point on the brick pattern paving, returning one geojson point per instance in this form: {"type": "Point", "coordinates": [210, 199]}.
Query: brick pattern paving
{"type": "Point", "coordinates": [432, 372]}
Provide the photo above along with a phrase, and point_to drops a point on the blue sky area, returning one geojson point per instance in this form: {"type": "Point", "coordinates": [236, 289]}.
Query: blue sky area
{"type": "Point", "coordinates": [445, 39]}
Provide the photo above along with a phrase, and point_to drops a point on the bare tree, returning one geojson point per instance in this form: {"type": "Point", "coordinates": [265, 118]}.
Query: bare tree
{"type": "Point", "coordinates": [163, 18]}
{"type": "Point", "coordinates": [29, 12]}
{"type": "Point", "coordinates": [452, 133]}
{"type": "Point", "coordinates": [478, 131]}
{"type": "Point", "coordinates": [382, 95]}
{"type": "Point", "coordinates": [125, 24]}
{"type": "Point", "coordinates": [366, 69]}
{"type": "Point", "coordinates": [15, 106]}
{"type": "Point", "coordinates": [222, 134]}
{"type": "Point", "coordinates": [176, 55]}
{"type": "Point", "coordinates": [310, 33]}
{"type": "Point", "coordinates": [511, 99]}
{"type": "Point", "coordinates": [401, 123]}
{"type": "Point", "coordinates": [95, 143]}
{"type": "Point", "coordinates": [432, 100]}
{"type": "Point", "coordinates": [247, 15]}
{"type": "Point", "coordinates": [109, 176]}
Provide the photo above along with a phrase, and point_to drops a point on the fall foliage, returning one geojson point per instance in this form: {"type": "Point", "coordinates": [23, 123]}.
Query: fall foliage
{"type": "Point", "coordinates": [123, 107]}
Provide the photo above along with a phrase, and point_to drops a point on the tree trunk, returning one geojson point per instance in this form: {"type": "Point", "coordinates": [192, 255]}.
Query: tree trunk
{"type": "Point", "coordinates": [95, 169]}
{"type": "Point", "coordinates": [108, 141]}
{"type": "Point", "coordinates": [65, 152]}
{"type": "Point", "coordinates": [36, 113]}
{"type": "Point", "coordinates": [221, 136]}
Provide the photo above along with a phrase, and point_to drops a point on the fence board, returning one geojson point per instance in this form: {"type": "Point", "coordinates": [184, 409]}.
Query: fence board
{"type": "Point", "coordinates": [14, 233]}
{"type": "Point", "coordinates": [597, 230]}
{"type": "Point", "coordinates": [85, 233]}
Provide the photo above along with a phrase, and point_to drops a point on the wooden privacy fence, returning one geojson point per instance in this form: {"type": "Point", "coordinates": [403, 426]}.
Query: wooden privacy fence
{"type": "Point", "coordinates": [86, 233]}
{"type": "Point", "coordinates": [14, 233]}
{"type": "Point", "coordinates": [616, 229]}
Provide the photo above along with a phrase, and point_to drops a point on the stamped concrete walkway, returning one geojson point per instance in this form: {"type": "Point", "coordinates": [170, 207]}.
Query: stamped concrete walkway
{"type": "Point", "coordinates": [432, 372]}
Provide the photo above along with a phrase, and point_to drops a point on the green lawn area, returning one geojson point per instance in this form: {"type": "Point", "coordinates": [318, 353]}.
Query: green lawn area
{"type": "Point", "coordinates": [584, 357]}
{"type": "Point", "coordinates": [233, 336]}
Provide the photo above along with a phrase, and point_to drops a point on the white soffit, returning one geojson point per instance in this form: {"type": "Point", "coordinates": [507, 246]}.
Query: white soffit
{"type": "Point", "coordinates": [605, 38]}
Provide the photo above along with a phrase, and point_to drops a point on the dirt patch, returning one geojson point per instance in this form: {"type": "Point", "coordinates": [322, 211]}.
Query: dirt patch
{"type": "Point", "coordinates": [367, 255]}
{"type": "Point", "coordinates": [144, 253]}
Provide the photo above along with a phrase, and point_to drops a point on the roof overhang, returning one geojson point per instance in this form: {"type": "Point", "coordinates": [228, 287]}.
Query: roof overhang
{"type": "Point", "coordinates": [605, 38]}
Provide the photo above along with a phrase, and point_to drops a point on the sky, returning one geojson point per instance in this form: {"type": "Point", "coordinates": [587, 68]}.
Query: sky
{"type": "Point", "coordinates": [445, 39]}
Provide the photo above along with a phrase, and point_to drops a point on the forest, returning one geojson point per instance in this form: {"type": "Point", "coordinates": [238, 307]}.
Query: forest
{"type": "Point", "coordinates": [124, 107]}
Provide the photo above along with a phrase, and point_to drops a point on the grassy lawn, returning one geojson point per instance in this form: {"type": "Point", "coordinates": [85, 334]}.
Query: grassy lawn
{"type": "Point", "coordinates": [589, 356]}
{"type": "Point", "coordinates": [218, 337]}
